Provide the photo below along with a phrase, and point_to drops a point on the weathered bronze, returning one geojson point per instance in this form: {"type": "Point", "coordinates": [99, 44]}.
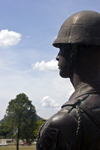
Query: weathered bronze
{"type": "Point", "coordinates": [77, 125]}
{"type": "Point", "coordinates": [82, 28]}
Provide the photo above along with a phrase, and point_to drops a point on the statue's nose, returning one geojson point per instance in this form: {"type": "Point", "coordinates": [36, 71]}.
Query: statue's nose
{"type": "Point", "coordinates": [57, 58]}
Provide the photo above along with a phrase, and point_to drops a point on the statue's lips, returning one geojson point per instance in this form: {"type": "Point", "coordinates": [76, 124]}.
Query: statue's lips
{"type": "Point", "coordinates": [58, 67]}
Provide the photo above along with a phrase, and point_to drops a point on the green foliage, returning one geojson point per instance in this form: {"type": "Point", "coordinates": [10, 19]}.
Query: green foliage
{"type": "Point", "coordinates": [20, 119]}
{"type": "Point", "coordinates": [3, 132]}
{"type": "Point", "coordinates": [1, 121]}
{"type": "Point", "coordinates": [38, 126]}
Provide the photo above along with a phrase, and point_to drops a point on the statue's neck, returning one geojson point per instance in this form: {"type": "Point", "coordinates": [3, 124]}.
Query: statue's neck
{"type": "Point", "coordinates": [78, 81]}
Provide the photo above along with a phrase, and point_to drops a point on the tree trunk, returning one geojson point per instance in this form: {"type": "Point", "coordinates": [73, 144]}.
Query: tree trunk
{"type": "Point", "coordinates": [17, 148]}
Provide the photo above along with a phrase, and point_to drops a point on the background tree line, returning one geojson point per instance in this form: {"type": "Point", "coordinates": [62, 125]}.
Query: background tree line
{"type": "Point", "coordinates": [20, 120]}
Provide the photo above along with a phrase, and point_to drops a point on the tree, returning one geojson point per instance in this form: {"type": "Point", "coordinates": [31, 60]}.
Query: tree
{"type": "Point", "coordinates": [21, 119]}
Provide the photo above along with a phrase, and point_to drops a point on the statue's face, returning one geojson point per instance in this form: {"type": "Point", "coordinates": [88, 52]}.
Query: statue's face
{"type": "Point", "coordinates": [62, 59]}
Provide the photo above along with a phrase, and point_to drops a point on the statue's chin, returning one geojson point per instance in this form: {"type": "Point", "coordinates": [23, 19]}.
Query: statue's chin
{"type": "Point", "coordinates": [63, 74]}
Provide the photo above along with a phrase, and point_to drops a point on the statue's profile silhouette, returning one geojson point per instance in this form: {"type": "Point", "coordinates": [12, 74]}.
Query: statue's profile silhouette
{"type": "Point", "coordinates": [77, 125]}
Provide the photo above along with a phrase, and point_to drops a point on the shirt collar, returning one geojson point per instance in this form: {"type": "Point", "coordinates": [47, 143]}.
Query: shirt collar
{"type": "Point", "coordinates": [82, 92]}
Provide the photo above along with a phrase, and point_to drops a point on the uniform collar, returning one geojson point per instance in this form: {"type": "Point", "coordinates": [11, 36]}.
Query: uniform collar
{"type": "Point", "coordinates": [82, 92]}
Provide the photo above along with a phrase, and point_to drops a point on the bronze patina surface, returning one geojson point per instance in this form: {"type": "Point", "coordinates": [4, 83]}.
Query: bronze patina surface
{"type": "Point", "coordinates": [77, 125]}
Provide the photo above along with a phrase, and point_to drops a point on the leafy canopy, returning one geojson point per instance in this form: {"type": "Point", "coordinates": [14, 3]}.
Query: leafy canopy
{"type": "Point", "coordinates": [21, 118]}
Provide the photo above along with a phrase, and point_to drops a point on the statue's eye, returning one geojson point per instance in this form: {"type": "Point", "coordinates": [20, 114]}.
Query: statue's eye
{"type": "Point", "coordinates": [59, 52]}
{"type": "Point", "coordinates": [62, 52]}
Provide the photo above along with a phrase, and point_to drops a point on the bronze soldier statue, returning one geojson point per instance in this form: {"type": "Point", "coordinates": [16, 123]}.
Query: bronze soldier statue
{"type": "Point", "coordinates": [77, 125]}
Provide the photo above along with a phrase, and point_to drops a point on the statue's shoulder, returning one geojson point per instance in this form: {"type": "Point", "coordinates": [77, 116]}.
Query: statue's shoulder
{"type": "Point", "coordinates": [60, 126]}
{"type": "Point", "coordinates": [61, 119]}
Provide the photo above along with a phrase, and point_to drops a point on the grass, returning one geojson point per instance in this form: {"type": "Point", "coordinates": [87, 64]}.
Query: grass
{"type": "Point", "coordinates": [13, 147]}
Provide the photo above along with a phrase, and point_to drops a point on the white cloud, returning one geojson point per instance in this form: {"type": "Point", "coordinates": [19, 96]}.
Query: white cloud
{"type": "Point", "coordinates": [51, 65]}
{"type": "Point", "coordinates": [8, 38]}
{"type": "Point", "coordinates": [48, 102]}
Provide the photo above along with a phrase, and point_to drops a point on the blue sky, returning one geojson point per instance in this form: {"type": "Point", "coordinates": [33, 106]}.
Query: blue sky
{"type": "Point", "coordinates": [27, 57]}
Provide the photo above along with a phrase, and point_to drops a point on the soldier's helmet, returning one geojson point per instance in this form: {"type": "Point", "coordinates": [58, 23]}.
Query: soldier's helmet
{"type": "Point", "coordinates": [80, 28]}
